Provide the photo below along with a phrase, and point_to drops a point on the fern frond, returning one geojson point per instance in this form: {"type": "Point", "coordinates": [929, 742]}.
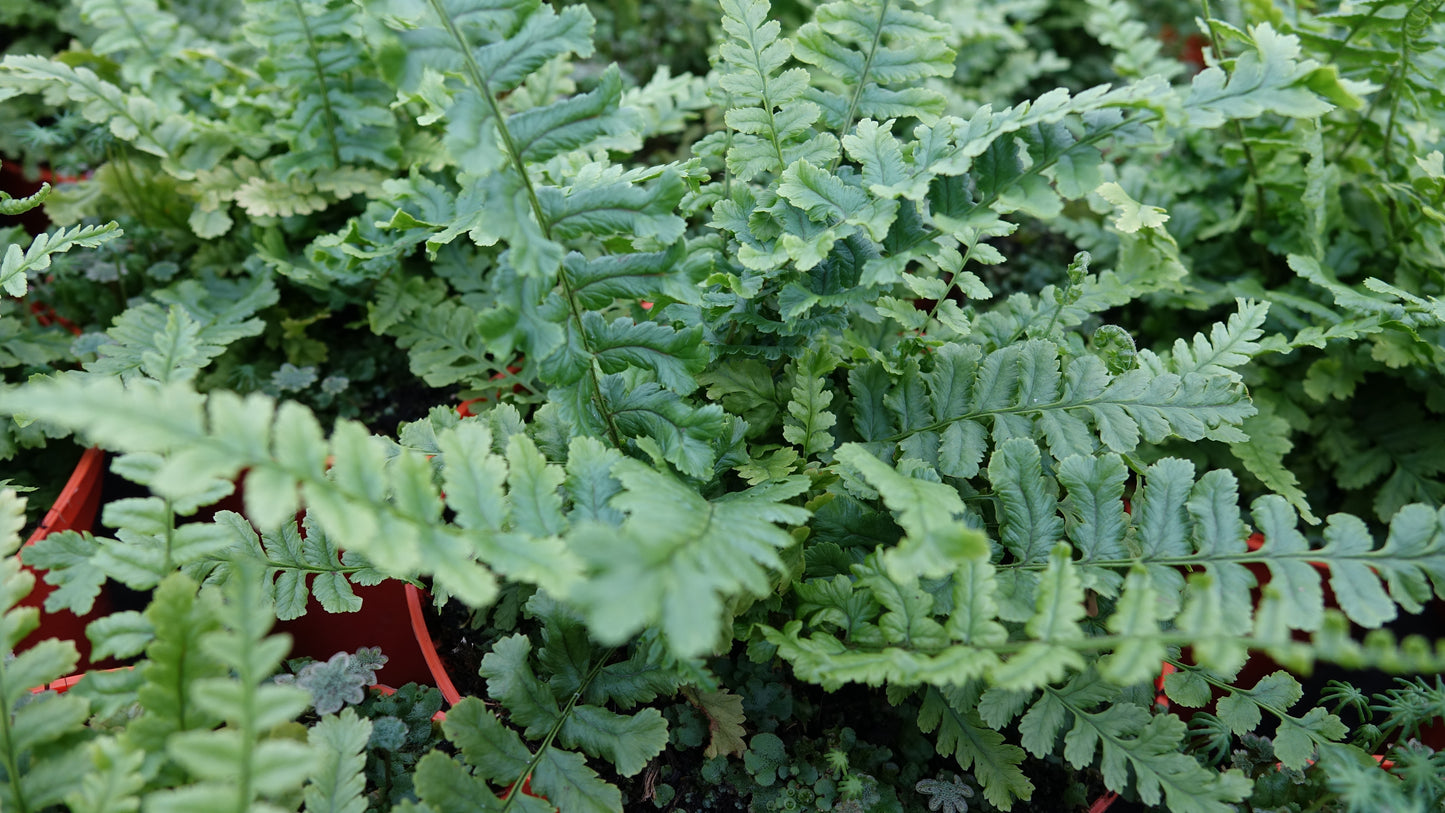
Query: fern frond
{"type": "Point", "coordinates": [1130, 741]}
{"type": "Point", "coordinates": [499, 45]}
{"type": "Point", "coordinates": [1029, 521]}
{"type": "Point", "coordinates": [290, 558]}
{"type": "Point", "coordinates": [673, 357]}
{"type": "Point", "coordinates": [148, 548]}
{"type": "Point", "coordinates": [946, 416]}
{"type": "Point", "coordinates": [891, 635]}
{"type": "Point", "coordinates": [1116, 24]}
{"type": "Point", "coordinates": [338, 113]}
{"type": "Point", "coordinates": [285, 452]}
{"type": "Point", "coordinates": [875, 56]}
{"type": "Point", "coordinates": [542, 133]}
{"type": "Point", "coordinates": [139, 36]}
{"type": "Point", "coordinates": [1229, 345]}
{"type": "Point", "coordinates": [684, 435]}
{"type": "Point", "coordinates": [516, 532]}
{"type": "Point", "coordinates": [1375, 580]}
{"type": "Point", "coordinates": [17, 265]}
{"type": "Point", "coordinates": [1263, 455]}
{"type": "Point", "coordinates": [339, 784]}
{"type": "Point", "coordinates": [173, 345]}
{"type": "Point", "coordinates": [932, 516]}
{"type": "Point", "coordinates": [40, 760]}
{"type": "Point", "coordinates": [557, 696]}
{"type": "Point", "coordinates": [174, 662]}
{"type": "Point", "coordinates": [115, 782]}
{"type": "Point", "coordinates": [680, 584]}
{"type": "Point", "coordinates": [445, 348]}
{"type": "Point", "coordinates": [963, 735]}
{"type": "Point", "coordinates": [1269, 77]}
{"type": "Point", "coordinates": [627, 741]}
{"type": "Point", "coordinates": [243, 763]}
{"type": "Point", "coordinates": [131, 116]}
{"type": "Point", "coordinates": [769, 114]}
{"type": "Point", "coordinates": [808, 421]}
{"type": "Point", "coordinates": [651, 276]}
{"type": "Point", "coordinates": [12, 206]}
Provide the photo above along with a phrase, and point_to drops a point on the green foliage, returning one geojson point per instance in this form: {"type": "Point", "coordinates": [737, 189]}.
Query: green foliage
{"type": "Point", "coordinates": [402, 732]}
{"type": "Point", "coordinates": [240, 764]}
{"type": "Point", "coordinates": [314, 50]}
{"type": "Point", "coordinates": [29, 342]}
{"type": "Point", "coordinates": [41, 757]}
{"type": "Point", "coordinates": [196, 722]}
{"type": "Point", "coordinates": [340, 680]}
{"type": "Point", "coordinates": [18, 264]}
{"type": "Point", "coordinates": [339, 783]}
{"type": "Point", "coordinates": [563, 709]}
{"type": "Point", "coordinates": [1307, 762]}
{"type": "Point", "coordinates": [1131, 741]}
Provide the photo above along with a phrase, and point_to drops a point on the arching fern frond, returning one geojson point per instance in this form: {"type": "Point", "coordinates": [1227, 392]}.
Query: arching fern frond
{"type": "Point", "coordinates": [947, 415]}
{"type": "Point", "coordinates": [339, 114]}
{"type": "Point", "coordinates": [17, 265]}
{"type": "Point", "coordinates": [173, 344]}
{"type": "Point", "coordinates": [40, 759]}
{"type": "Point", "coordinates": [244, 763]}
{"type": "Point", "coordinates": [152, 125]}
{"type": "Point", "coordinates": [142, 38]}
{"type": "Point", "coordinates": [769, 113]}
{"type": "Point", "coordinates": [557, 700]}
{"type": "Point", "coordinates": [679, 582]}
{"type": "Point", "coordinates": [1049, 552]}
{"type": "Point", "coordinates": [872, 57]}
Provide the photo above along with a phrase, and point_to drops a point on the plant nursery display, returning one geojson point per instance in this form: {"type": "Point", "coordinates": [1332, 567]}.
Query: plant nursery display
{"type": "Point", "coordinates": [866, 405]}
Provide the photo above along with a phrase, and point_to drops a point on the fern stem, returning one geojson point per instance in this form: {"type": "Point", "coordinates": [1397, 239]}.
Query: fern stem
{"type": "Point", "coordinates": [474, 72]}
{"type": "Point", "coordinates": [767, 101]}
{"type": "Point", "coordinates": [1053, 320]}
{"type": "Point", "coordinates": [170, 535]}
{"type": "Point", "coordinates": [1285, 718]}
{"type": "Point", "coordinates": [862, 79]}
{"type": "Point", "coordinates": [301, 568]}
{"type": "Point", "coordinates": [312, 51]}
{"type": "Point", "coordinates": [1395, 95]}
{"type": "Point", "coordinates": [137, 34]}
{"type": "Point", "coordinates": [556, 728]}
{"type": "Point", "coordinates": [1259, 199]}
{"type": "Point", "coordinates": [7, 744]}
{"type": "Point", "coordinates": [1359, 26]}
{"type": "Point", "coordinates": [1387, 90]}
{"type": "Point", "coordinates": [1247, 558]}
{"type": "Point", "coordinates": [952, 283]}
{"type": "Point", "coordinates": [514, 154]}
{"type": "Point", "coordinates": [249, 735]}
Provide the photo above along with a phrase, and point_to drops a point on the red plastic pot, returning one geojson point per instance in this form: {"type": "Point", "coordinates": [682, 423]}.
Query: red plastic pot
{"type": "Point", "coordinates": [428, 648]}
{"type": "Point", "coordinates": [382, 621]}
{"type": "Point", "coordinates": [464, 409]}
{"type": "Point", "coordinates": [1189, 48]}
{"type": "Point", "coordinates": [75, 510]}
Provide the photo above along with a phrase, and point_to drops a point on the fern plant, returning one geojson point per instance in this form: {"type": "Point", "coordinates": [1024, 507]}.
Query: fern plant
{"type": "Point", "coordinates": [760, 390]}
{"type": "Point", "coordinates": [1340, 216]}
{"type": "Point", "coordinates": [197, 722]}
